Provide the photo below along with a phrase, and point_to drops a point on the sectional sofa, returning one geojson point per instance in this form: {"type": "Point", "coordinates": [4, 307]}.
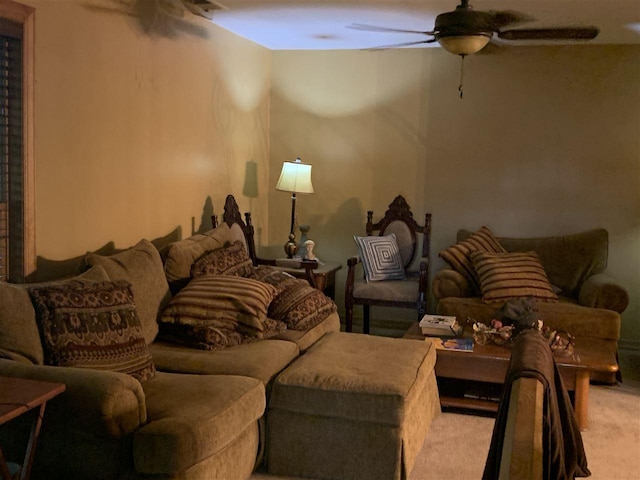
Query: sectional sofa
{"type": "Point", "coordinates": [197, 415]}
{"type": "Point", "coordinates": [183, 348]}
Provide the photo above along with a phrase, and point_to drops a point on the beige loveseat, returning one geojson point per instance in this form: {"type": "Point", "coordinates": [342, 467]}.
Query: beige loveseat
{"type": "Point", "coordinates": [589, 299]}
{"type": "Point", "coordinates": [199, 417]}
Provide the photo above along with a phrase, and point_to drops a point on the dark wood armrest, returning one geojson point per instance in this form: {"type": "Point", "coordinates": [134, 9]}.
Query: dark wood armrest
{"type": "Point", "coordinates": [264, 261]}
{"type": "Point", "coordinates": [351, 273]}
{"type": "Point", "coordinates": [423, 286]}
{"type": "Point", "coordinates": [352, 262]}
{"type": "Point", "coordinates": [348, 290]}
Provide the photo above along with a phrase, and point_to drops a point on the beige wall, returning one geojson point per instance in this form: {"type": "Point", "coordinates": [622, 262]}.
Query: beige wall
{"type": "Point", "coordinates": [137, 123]}
{"type": "Point", "coordinates": [545, 142]}
{"type": "Point", "coordinates": [136, 128]}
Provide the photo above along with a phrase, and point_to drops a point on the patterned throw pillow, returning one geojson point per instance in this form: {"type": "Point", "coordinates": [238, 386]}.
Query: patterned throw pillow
{"type": "Point", "coordinates": [297, 304]}
{"type": "Point", "coordinates": [222, 302]}
{"type": "Point", "coordinates": [508, 275]}
{"type": "Point", "coordinates": [458, 255]}
{"type": "Point", "coordinates": [92, 326]}
{"type": "Point", "coordinates": [300, 306]}
{"type": "Point", "coordinates": [214, 337]}
{"type": "Point", "coordinates": [273, 276]}
{"type": "Point", "coordinates": [380, 258]}
{"type": "Point", "coordinates": [230, 260]}
{"type": "Point", "coordinates": [181, 255]}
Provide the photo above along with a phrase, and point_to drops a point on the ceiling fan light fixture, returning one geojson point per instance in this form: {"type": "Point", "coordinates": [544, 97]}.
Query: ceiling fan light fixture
{"type": "Point", "coordinates": [464, 44]}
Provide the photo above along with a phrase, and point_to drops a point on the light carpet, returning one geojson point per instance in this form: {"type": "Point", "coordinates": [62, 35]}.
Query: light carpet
{"type": "Point", "coordinates": [456, 446]}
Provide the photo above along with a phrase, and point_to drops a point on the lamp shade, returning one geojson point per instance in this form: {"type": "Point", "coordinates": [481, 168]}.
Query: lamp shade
{"type": "Point", "coordinates": [464, 44]}
{"type": "Point", "coordinates": [295, 177]}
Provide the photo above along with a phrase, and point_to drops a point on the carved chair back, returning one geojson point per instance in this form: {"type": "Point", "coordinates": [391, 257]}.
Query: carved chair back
{"type": "Point", "coordinates": [399, 220]}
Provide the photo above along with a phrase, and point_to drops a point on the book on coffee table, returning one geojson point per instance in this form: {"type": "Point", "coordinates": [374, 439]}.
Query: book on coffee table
{"type": "Point", "coordinates": [440, 326]}
{"type": "Point", "coordinates": [457, 344]}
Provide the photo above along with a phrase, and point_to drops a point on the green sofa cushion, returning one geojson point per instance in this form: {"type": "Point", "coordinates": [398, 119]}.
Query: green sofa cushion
{"type": "Point", "coordinates": [568, 260]}
{"type": "Point", "coordinates": [181, 255]}
{"type": "Point", "coordinates": [192, 417]}
{"type": "Point", "coordinates": [19, 334]}
{"type": "Point", "coordinates": [142, 267]}
{"type": "Point", "coordinates": [355, 377]}
{"type": "Point", "coordinates": [262, 360]}
{"type": "Point", "coordinates": [565, 314]}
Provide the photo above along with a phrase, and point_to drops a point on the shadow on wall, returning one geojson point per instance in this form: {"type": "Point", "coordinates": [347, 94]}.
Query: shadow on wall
{"type": "Point", "coordinates": [206, 222]}
{"type": "Point", "coordinates": [250, 187]}
{"type": "Point", "coordinates": [48, 269]}
{"type": "Point", "coordinates": [164, 18]}
{"type": "Point", "coordinates": [336, 233]}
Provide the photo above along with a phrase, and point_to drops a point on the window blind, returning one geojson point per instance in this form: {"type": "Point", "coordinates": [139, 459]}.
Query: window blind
{"type": "Point", "coordinates": [11, 153]}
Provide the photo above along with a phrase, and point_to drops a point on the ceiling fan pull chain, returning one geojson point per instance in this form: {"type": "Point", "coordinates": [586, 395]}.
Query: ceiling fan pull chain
{"type": "Point", "coordinates": [460, 87]}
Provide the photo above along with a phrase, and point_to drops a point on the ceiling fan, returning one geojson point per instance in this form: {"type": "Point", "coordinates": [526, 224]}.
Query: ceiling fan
{"type": "Point", "coordinates": [466, 31]}
{"type": "Point", "coordinates": [161, 17]}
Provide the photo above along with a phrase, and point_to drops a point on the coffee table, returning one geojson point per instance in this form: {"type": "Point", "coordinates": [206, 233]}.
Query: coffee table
{"type": "Point", "coordinates": [489, 364]}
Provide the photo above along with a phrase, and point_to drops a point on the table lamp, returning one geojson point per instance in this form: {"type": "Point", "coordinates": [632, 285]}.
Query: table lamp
{"type": "Point", "coordinates": [295, 178]}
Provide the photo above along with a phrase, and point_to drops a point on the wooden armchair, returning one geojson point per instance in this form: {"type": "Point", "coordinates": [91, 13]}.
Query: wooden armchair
{"type": "Point", "coordinates": [233, 218]}
{"type": "Point", "coordinates": [409, 293]}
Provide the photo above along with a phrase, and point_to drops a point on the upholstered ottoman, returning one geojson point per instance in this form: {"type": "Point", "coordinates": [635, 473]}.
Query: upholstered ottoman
{"type": "Point", "coordinates": [353, 406]}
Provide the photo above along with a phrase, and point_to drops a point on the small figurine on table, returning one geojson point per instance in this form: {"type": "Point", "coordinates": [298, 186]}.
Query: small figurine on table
{"type": "Point", "coordinates": [307, 251]}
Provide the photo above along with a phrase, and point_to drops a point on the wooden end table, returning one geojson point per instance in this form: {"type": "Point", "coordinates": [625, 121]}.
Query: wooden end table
{"type": "Point", "coordinates": [489, 364]}
{"type": "Point", "coordinates": [18, 396]}
{"type": "Point", "coordinates": [324, 276]}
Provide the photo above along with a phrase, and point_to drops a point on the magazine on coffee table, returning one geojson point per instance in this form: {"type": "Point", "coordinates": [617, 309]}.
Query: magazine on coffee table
{"type": "Point", "coordinates": [457, 344]}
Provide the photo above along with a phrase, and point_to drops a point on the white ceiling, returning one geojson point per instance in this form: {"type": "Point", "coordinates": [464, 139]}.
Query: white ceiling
{"type": "Point", "coordinates": [322, 25]}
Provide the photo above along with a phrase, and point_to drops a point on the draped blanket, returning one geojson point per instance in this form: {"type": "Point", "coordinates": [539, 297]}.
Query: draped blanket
{"type": "Point", "coordinates": [563, 452]}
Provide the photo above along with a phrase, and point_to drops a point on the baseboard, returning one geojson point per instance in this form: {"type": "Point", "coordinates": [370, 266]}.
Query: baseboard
{"type": "Point", "coordinates": [629, 345]}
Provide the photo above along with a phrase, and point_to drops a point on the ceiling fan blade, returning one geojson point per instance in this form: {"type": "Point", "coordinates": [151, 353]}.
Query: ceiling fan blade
{"type": "Point", "coordinates": [503, 18]}
{"type": "Point", "coordinates": [398, 45]}
{"type": "Point", "coordinates": [374, 28]}
{"type": "Point", "coordinates": [568, 33]}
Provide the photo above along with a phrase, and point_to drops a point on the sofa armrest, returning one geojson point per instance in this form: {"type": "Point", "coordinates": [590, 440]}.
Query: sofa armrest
{"type": "Point", "coordinates": [602, 291]}
{"type": "Point", "coordinates": [521, 456]}
{"type": "Point", "coordinates": [103, 403]}
{"type": "Point", "coordinates": [449, 283]}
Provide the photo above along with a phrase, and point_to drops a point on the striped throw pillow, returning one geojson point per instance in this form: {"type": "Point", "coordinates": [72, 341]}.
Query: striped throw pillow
{"type": "Point", "coordinates": [222, 301]}
{"type": "Point", "coordinates": [458, 255]}
{"type": "Point", "coordinates": [508, 275]}
{"type": "Point", "coordinates": [380, 258]}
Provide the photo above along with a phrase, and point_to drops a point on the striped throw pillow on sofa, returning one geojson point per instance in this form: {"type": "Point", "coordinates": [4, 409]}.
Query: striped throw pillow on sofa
{"type": "Point", "coordinates": [507, 275]}
{"type": "Point", "coordinates": [458, 255]}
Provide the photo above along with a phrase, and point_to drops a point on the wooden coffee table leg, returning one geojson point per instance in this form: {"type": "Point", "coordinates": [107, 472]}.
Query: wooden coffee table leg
{"type": "Point", "coordinates": [581, 403]}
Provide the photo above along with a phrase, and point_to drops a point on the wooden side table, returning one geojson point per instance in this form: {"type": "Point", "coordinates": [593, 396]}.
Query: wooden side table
{"type": "Point", "coordinates": [324, 276]}
{"type": "Point", "coordinates": [18, 396]}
